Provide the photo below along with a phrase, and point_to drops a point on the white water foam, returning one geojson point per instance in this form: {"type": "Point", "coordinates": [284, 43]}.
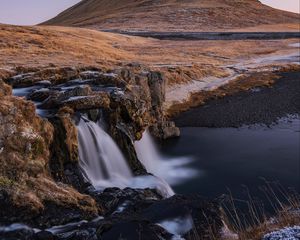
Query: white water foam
{"type": "Point", "coordinates": [101, 160]}
{"type": "Point", "coordinates": [178, 226]}
{"type": "Point", "coordinates": [173, 170]}
{"type": "Point", "coordinates": [104, 166]}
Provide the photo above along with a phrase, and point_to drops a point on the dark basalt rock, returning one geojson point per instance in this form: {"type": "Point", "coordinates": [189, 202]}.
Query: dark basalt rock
{"type": "Point", "coordinates": [138, 209]}
{"type": "Point", "coordinates": [39, 95]}
{"type": "Point", "coordinates": [117, 201]}
{"type": "Point", "coordinates": [9, 214]}
{"type": "Point", "coordinates": [131, 214]}
{"type": "Point", "coordinates": [125, 144]}
{"type": "Point", "coordinates": [16, 232]}
{"type": "Point", "coordinates": [136, 230]}
{"type": "Point", "coordinates": [205, 214]}
{"type": "Point", "coordinates": [44, 235]}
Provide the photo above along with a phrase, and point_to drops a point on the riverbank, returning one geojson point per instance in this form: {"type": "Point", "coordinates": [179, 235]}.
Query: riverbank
{"type": "Point", "coordinates": [259, 105]}
{"type": "Point", "coordinates": [190, 36]}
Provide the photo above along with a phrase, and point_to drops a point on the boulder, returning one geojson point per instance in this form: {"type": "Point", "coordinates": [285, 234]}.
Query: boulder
{"type": "Point", "coordinates": [117, 201]}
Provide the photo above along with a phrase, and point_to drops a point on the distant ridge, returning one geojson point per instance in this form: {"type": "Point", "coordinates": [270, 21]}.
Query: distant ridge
{"type": "Point", "coordinates": [172, 15]}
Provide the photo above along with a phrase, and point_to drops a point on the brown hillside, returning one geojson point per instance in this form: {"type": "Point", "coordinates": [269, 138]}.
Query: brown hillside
{"type": "Point", "coordinates": [174, 15]}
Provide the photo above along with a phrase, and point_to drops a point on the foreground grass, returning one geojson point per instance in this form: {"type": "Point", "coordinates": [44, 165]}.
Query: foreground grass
{"type": "Point", "coordinates": [255, 222]}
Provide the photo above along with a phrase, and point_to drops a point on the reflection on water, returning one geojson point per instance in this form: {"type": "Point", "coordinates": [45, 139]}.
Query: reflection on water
{"type": "Point", "coordinates": [230, 158]}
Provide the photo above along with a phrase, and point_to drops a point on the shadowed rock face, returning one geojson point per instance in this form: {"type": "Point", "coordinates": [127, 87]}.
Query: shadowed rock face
{"type": "Point", "coordinates": [27, 191]}
{"type": "Point", "coordinates": [137, 214]}
{"type": "Point", "coordinates": [171, 15]}
{"type": "Point", "coordinates": [131, 100]}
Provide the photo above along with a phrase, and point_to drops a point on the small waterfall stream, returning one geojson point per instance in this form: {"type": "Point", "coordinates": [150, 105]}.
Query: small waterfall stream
{"type": "Point", "coordinates": [173, 170]}
{"type": "Point", "coordinates": [101, 160]}
{"type": "Point", "coordinates": [103, 164]}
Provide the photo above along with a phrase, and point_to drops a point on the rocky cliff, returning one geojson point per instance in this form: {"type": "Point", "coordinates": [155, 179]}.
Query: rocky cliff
{"type": "Point", "coordinates": [41, 184]}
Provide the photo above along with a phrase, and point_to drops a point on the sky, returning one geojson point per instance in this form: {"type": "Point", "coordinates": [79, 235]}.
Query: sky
{"type": "Point", "coordinates": [30, 12]}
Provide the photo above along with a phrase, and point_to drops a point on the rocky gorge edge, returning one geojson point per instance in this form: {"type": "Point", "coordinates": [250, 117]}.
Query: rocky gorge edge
{"type": "Point", "coordinates": [40, 181]}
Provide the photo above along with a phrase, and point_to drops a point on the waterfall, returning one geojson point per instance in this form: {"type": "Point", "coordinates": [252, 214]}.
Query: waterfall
{"type": "Point", "coordinates": [103, 164]}
{"type": "Point", "coordinates": [101, 161]}
{"type": "Point", "coordinates": [173, 170]}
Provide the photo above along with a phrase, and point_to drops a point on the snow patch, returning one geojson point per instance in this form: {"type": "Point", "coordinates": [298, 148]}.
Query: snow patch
{"type": "Point", "coordinates": [289, 233]}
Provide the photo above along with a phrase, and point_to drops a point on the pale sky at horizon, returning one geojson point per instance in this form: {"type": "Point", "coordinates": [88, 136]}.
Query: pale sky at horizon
{"type": "Point", "coordinates": [36, 11]}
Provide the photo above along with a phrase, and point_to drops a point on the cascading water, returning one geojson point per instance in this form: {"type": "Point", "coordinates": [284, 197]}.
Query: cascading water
{"type": "Point", "coordinates": [173, 170]}
{"type": "Point", "coordinates": [103, 164]}
{"type": "Point", "coordinates": [101, 160]}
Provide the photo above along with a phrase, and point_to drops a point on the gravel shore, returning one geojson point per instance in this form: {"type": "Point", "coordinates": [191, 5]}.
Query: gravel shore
{"type": "Point", "coordinates": [257, 106]}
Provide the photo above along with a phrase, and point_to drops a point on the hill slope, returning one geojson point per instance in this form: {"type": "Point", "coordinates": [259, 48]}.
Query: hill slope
{"type": "Point", "coordinates": [172, 15]}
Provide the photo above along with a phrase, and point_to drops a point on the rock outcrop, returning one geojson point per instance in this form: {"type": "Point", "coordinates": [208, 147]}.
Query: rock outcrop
{"type": "Point", "coordinates": [27, 191]}
{"type": "Point", "coordinates": [41, 184]}
{"type": "Point", "coordinates": [136, 214]}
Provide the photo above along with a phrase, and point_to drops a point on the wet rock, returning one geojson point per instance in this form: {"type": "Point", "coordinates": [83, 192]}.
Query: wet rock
{"type": "Point", "coordinates": [205, 214]}
{"type": "Point", "coordinates": [178, 215]}
{"type": "Point", "coordinates": [39, 95]}
{"type": "Point", "coordinates": [64, 150]}
{"type": "Point", "coordinates": [22, 80]}
{"type": "Point", "coordinates": [44, 235]}
{"type": "Point", "coordinates": [128, 200]}
{"type": "Point", "coordinates": [101, 100]}
{"type": "Point", "coordinates": [78, 98]}
{"type": "Point", "coordinates": [127, 147]}
{"type": "Point", "coordinates": [16, 232]}
{"type": "Point", "coordinates": [135, 230]}
{"type": "Point", "coordinates": [58, 95]}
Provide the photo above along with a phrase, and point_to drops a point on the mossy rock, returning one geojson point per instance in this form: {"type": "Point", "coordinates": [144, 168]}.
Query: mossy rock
{"type": "Point", "coordinates": [6, 182]}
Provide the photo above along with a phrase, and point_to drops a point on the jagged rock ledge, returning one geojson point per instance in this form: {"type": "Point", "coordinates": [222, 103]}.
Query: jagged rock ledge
{"type": "Point", "coordinates": [40, 181]}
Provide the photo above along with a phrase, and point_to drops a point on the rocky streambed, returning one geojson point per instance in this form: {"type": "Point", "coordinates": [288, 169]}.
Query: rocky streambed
{"type": "Point", "coordinates": [43, 191]}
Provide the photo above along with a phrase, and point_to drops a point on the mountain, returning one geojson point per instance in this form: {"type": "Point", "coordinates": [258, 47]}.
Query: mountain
{"type": "Point", "coordinates": [174, 15]}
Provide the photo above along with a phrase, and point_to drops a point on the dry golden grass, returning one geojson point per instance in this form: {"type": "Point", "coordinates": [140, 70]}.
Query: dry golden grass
{"type": "Point", "coordinates": [40, 46]}
{"type": "Point", "coordinates": [254, 222]}
{"type": "Point", "coordinates": [181, 61]}
{"type": "Point", "coordinates": [172, 15]}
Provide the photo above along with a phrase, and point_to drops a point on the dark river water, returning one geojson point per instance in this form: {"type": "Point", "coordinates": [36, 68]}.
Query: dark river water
{"type": "Point", "coordinates": [231, 158]}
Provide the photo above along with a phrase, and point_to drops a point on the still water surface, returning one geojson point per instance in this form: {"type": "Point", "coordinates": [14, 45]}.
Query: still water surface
{"type": "Point", "coordinates": [228, 158]}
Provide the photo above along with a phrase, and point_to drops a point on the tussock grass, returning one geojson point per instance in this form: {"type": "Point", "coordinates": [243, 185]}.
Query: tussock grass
{"type": "Point", "coordinates": [256, 219]}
